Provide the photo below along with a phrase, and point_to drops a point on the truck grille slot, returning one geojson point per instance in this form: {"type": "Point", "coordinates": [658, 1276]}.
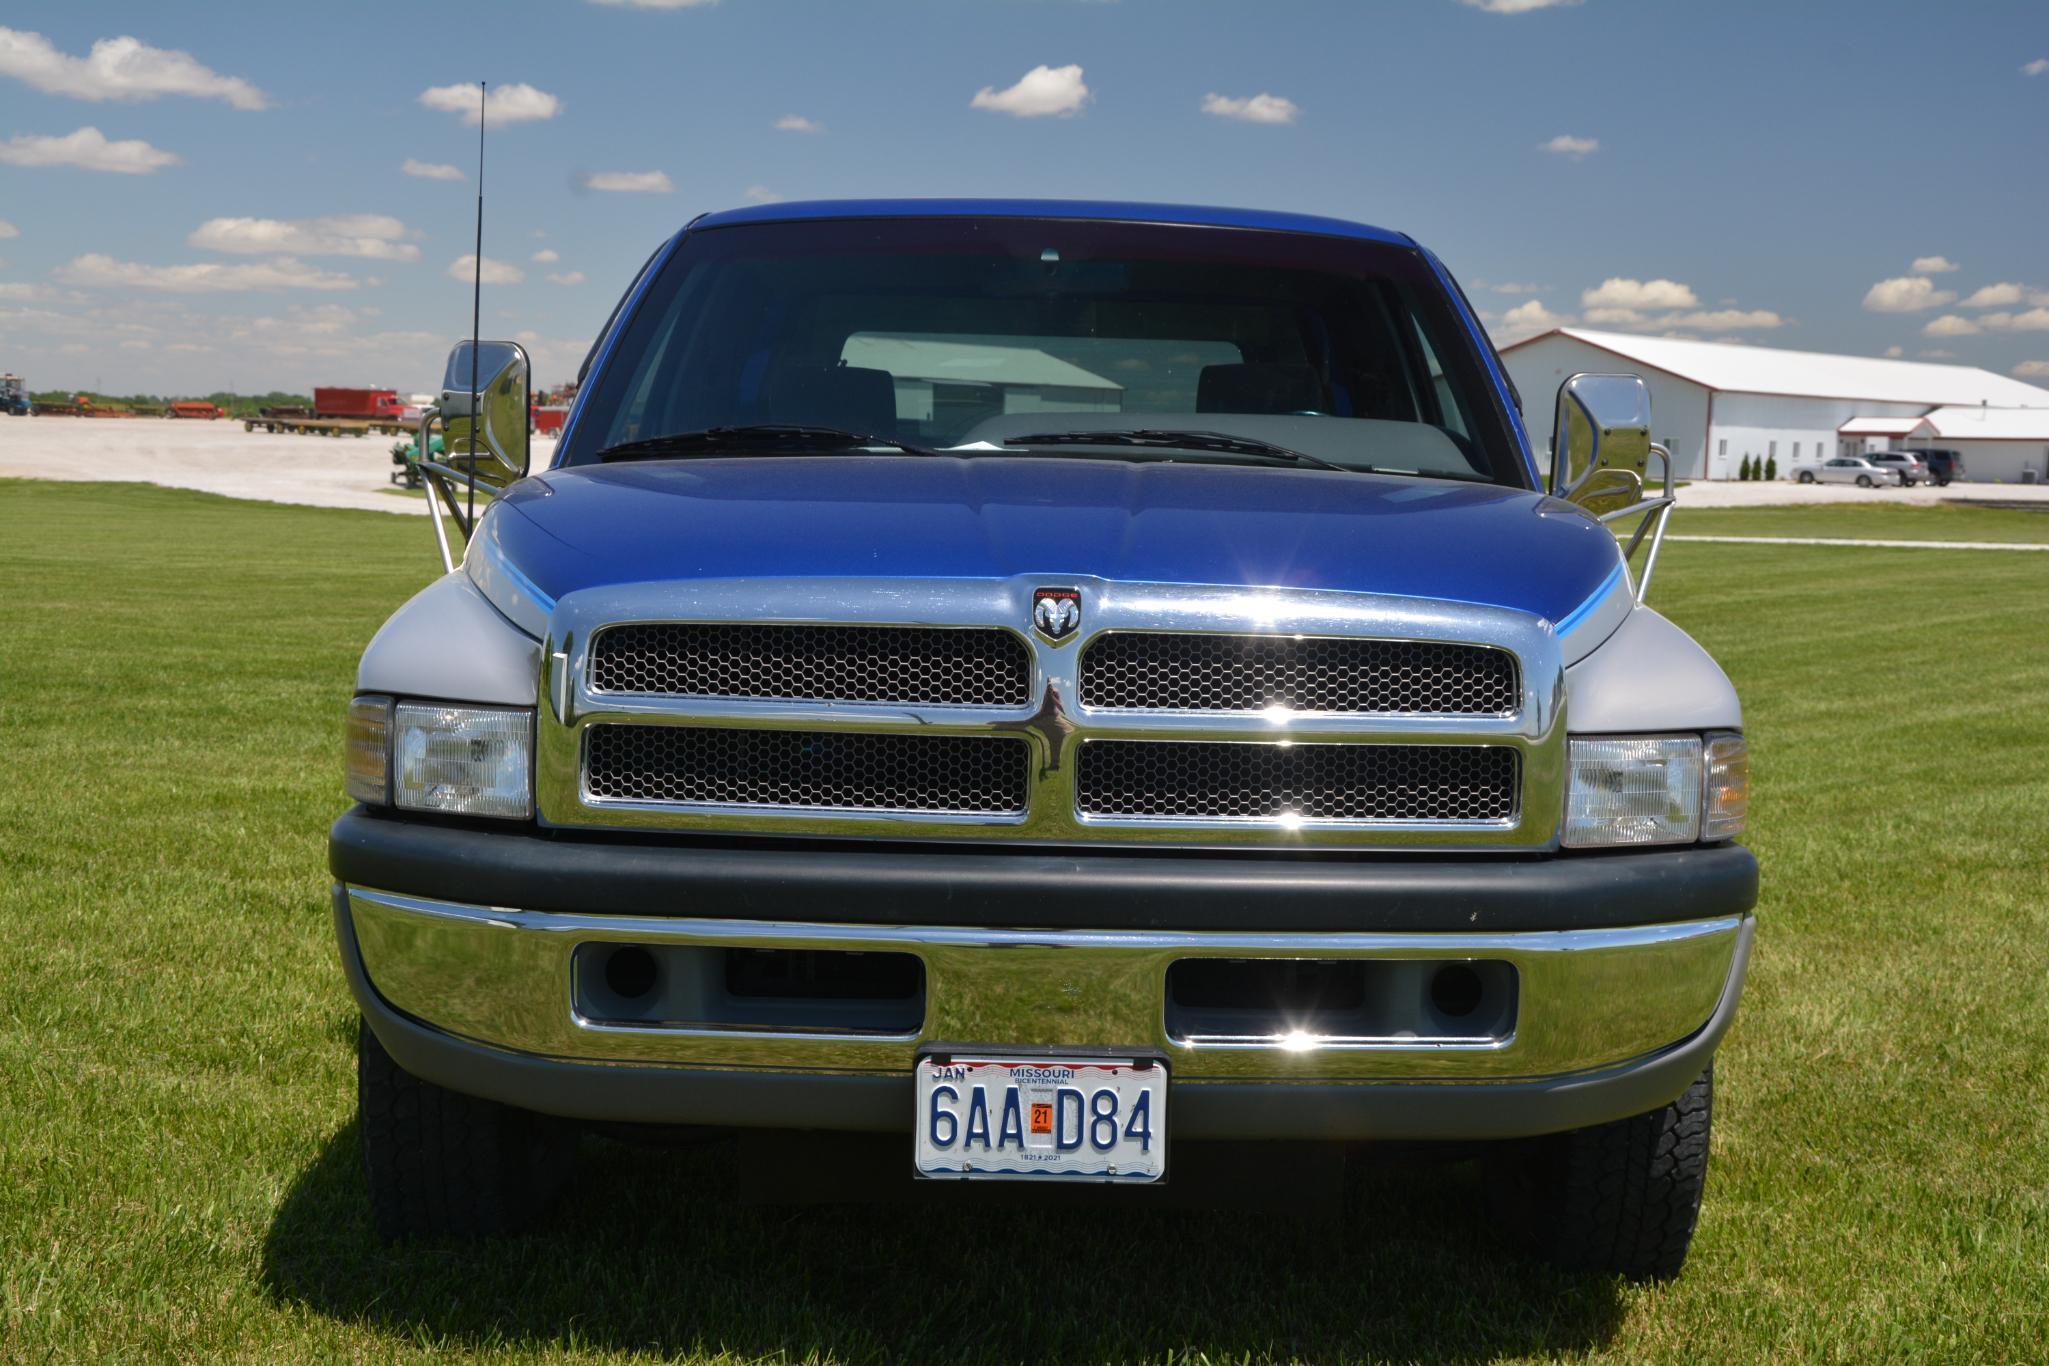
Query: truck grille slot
{"type": "Point", "coordinates": [1163, 671]}
{"type": "Point", "coordinates": [1236, 780]}
{"type": "Point", "coordinates": [821, 770]}
{"type": "Point", "coordinates": [906, 664]}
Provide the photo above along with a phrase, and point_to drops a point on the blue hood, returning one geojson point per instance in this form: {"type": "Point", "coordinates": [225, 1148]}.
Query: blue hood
{"type": "Point", "coordinates": [997, 517]}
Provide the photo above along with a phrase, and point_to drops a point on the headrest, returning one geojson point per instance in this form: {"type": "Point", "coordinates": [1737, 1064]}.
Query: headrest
{"type": "Point", "coordinates": [847, 396]}
{"type": "Point", "coordinates": [1258, 389]}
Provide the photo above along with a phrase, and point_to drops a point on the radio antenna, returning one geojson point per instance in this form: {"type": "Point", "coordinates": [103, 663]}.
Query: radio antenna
{"type": "Point", "coordinates": [477, 303]}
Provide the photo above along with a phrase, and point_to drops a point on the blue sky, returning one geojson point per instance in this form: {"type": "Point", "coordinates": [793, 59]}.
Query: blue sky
{"type": "Point", "coordinates": [1771, 172]}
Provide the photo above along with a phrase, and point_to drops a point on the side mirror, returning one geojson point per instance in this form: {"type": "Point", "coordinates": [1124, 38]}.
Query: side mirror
{"type": "Point", "coordinates": [491, 445]}
{"type": "Point", "coordinates": [1601, 444]}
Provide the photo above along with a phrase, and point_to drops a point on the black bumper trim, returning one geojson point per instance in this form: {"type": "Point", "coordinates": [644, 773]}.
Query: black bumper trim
{"type": "Point", "coordinates": [603, 1092]}
{"type": "Point", "coordinates": [903, 885]}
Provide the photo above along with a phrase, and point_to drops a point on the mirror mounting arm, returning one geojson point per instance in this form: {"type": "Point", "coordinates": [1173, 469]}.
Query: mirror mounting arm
{"type": "Point", "coordinates": [1655, 512]}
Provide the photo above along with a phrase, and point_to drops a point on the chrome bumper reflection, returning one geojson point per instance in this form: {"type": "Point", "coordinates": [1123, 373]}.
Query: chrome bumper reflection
{"type": "Point", "coordinates": [1587, 998]}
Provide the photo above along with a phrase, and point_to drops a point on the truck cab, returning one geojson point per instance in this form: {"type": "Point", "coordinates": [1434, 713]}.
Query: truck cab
{"type": "Point", "coordinates": [1054, 683]}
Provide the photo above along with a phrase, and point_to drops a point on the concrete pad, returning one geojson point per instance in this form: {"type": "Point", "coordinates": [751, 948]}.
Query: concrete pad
{"type": "Point", "coordinates": [213, 457]}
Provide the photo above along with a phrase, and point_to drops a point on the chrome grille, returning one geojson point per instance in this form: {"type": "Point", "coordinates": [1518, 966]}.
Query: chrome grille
{"type": "Point", "coordinates": [1227, 780]}
{"type": "Point", "coordinates": [903, 664]}
{"type": "Point", "coordinates": [1158, 671]}
{"type": "Point", "coordinates": [819, 770]}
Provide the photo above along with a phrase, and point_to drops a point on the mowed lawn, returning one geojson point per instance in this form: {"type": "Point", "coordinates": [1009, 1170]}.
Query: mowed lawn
{"type": "Point", "coordinates": [179, 1169]}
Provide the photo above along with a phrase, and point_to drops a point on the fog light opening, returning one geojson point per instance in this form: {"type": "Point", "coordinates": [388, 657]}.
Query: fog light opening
{"type": "Point", "coordinates": [630, 972]}
{"type": "Point", "coordinates": [1456, 989]}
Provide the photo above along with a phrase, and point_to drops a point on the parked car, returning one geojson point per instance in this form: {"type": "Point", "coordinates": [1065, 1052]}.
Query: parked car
{"type": "Point", "coordinates": [1847, 469]}
{"type": "Point", "coordinates": [1944, 466]}
{"type": "Point", "coordinates": [1906, 464]}
{"type": "Point", "coordinates": [1052, 683]}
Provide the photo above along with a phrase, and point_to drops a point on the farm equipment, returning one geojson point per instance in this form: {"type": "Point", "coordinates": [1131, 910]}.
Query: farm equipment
{"type": "Point", "coordinates": [406, 456]}
{"type": "Point", "coordinates": [14, 400]}
{"type": "Point", "coordinates": [196, 408]}
{"type": "Point", "coordinates": [358, 403]}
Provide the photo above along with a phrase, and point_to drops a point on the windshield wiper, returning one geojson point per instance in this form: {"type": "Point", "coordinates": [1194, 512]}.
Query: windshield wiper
{"type": "Point", "coordinates": [758, 438]}
{"type": "Point", "coordinates": [1154, 438]}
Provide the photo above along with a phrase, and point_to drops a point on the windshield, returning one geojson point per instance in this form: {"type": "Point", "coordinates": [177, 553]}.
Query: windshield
{"type": "Point", "coordinates": [979, 334]}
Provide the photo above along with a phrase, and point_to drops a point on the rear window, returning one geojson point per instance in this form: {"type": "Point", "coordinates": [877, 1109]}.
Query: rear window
{"type": "Point", "coordinates": [975, 334]}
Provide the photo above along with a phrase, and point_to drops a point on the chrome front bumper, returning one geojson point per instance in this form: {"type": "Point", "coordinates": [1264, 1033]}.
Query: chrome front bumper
{"type": "Point", "coordinates": [1588, 1000]}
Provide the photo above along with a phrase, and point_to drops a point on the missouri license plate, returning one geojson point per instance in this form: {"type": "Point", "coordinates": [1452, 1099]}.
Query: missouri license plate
{"type": "Point", "coordinates": [996, 1118]}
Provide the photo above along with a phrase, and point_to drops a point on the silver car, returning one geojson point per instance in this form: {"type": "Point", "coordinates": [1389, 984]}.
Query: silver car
{"type": "Point", "coordinates": [1849, 469]}
{"type": "Point", "coordinates": [1906, 463]}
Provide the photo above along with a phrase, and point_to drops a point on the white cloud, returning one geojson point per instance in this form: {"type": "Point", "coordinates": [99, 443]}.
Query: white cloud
{"type": "Point", "coordinates": [1565, 144]}
{"type": "Point", "coordinates": [74, 348]}
{"type": "Point", "coordinates": [1516, 287]}
{"type": "Point", "coordinates": [376, 236]}
{"type": "Point", "coordinates": [761, 194]}
{"type": "Point", "coordinates": [2032, 369]}
{"type": "Point", "coordinates": [1526, 320]}
{"type": "Point", "coordinates": [95, 271]}
{"type": "Point", "coordinates": [2034, 320]}
{"type": "Point", "coordinates": [1895, 352]}
{"type": "Point", "coordinates": [1724, 320]}
{"type": "Point", "coordinates": [431, 170]}
{"type": "Point", "coordinates": [797, 123]}
{"type": "Point", "coordinates": [1517, 6]}
{"type": "Point", "coordinates": [1936, 353]}
{"type": "Point", "coordinates": [1621, 292]}
{"type": "Point", "coordinates": [118, 69]}
{"type": "Point", "coordinates": [1260, 108]}
{"type": "Point", "coordinates": [16, 290]}
{"type": "Point", "coordinates": [8, 230]}
{"type": "Point", "coordinates": [1615, 317]}
{"type": "Point", "coordinates": [2006, 295]}
{"type": "Point", "coordinates": [2036, 67]}
{"type": "Point", "coordinates": [1906, 294]}
{"type": "Point", "coordinates": [567, 277]}
{"type": "Point", "coordinates": [1934, 265]}
{"type": "Point", "coordinates": [494, 272]}
{"type": "Point", "coordinates": [88, 149]}
{"type": "Point", "coordinates": [515, 103]}
{"type": "Point", "coordinates": [1953, 325]}
{"type": "Point", "coordinates": [629, 182]}
{"type": "Point", "coordinates": [135, 344]}
{"type": "Point", "coordinates": [1950, 325]}
{"type": "Point", "coordinates": [1039, 92]}
{"type": "Point", "coordinates": [547, 256]}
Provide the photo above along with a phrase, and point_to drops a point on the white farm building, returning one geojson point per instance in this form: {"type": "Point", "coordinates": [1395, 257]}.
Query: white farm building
{"type": "Point", "coordinates": [1716, 402]}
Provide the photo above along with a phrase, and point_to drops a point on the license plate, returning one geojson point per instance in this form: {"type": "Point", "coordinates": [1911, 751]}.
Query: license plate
{"type": "Point", "coordinates": [1098, 1119]}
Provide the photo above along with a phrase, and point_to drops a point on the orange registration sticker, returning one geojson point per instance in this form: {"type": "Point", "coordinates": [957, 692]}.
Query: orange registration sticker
{"type": "Point", "coordinates": [1042, 1119]}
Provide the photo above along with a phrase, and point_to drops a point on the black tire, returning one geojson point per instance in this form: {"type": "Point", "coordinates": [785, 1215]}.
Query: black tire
{"type": "Point", "coordinates": [1863, 481]}
{"type": "Point", "coordinates": [1620, 1198]}
{"type": "Point", "coordinates": [1807, 476]}
{"type": "Point", "coordinates": [442, 1164]}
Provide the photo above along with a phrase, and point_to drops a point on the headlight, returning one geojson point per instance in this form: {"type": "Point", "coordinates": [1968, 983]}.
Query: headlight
{"type": "Point", "coordinates": [463, 761]}
{"type": "Point", "coordinates": [425, 756]}
{"type": "Point", "coordinates": [1633, 791]}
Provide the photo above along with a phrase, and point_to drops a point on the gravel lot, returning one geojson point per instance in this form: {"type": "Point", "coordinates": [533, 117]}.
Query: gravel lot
{"type": "Point", "coordinates": [353, 472]}
{"type": "Point", "coordinates": [214, 457]}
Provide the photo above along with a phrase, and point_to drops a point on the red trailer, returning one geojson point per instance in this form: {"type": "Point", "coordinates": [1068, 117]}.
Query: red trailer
{"type": "Point", "coordinates": [195, 408]}
{"type": "Point", "coordinates": [368, 403]}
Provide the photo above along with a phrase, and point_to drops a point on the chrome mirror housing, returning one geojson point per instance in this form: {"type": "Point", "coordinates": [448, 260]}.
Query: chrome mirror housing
{"type": "Point", "coordinates": [491, 445]}
{"type": "Point", "coordinates": [1601, 442]}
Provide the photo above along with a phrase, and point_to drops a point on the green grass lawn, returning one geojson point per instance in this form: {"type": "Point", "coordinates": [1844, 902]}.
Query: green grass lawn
{"type": "Point", "coordinates": [1878, 522]}
{"type": "Point", "coordinates": [179, 1169]}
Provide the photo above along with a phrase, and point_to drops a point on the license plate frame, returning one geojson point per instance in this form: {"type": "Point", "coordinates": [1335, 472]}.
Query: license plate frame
{"type": "Point", "coordinates": [1056, 1144]}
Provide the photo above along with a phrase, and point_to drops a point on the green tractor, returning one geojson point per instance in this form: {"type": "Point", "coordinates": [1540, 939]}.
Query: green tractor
{"type": "Point", "coordinates": [406, 456]}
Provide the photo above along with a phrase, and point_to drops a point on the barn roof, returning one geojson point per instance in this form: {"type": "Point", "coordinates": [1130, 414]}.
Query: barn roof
{"type": "Point", "coordinates": [1736, 368]}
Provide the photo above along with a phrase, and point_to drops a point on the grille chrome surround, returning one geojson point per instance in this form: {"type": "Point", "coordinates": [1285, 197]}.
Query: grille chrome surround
{"type": "Point", "coordinates": [1183, 671]}
{"type": "Point", "coordinates": [818, 770]}
{"type": "Point", "coordinates": [930, 666]}
{"type": "Point", "coordinates": [1052, 727]}
{"type": "Point", "coordinates": [1241, 780]}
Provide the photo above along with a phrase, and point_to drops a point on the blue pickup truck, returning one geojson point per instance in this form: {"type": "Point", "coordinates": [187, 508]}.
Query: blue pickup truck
{"type": "Point", "coordinates": [1058, 683]}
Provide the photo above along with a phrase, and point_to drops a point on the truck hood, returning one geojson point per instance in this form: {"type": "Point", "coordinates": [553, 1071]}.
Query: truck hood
{"type": "Point", "coordinates": [999, 517]}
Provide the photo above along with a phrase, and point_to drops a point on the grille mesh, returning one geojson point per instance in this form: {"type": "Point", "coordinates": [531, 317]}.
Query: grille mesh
{"type": "Point", "coordinates": [921, 665]}
{"type": "Point", "coordinates": [828, 770]}
{"type": "Point", "coordinates": [1197, 780]}
{"type": "Point", "coordinates": [1152, 671]}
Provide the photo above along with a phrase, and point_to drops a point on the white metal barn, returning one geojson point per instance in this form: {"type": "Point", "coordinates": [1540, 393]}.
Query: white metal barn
{"type": "Point", "coordinates": [1716, 402]}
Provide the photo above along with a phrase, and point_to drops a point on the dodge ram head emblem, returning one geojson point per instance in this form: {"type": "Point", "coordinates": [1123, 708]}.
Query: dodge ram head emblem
{"type": "Point", "coordinates": [1056, 612]}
